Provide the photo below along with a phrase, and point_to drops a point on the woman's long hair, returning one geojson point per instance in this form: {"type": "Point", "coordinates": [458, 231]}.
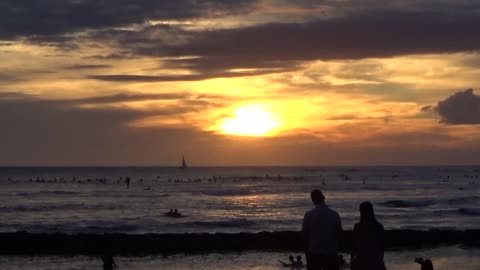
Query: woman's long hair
{"type": "Point", "coordinates": [367, 215]}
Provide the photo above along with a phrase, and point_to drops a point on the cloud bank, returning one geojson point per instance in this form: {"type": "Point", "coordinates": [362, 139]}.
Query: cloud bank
{"type": "Point", "coordinates": [283, 46]}
{"type": "Point", "coordinates": [461, 108]}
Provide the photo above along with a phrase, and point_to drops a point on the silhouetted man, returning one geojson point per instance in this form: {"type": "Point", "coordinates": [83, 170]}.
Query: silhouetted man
{"type": "Point", "coordinates": [322, 229]}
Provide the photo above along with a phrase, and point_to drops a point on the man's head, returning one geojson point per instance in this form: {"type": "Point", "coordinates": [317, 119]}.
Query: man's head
{"type": "Point", "coordinates": [317, 197]}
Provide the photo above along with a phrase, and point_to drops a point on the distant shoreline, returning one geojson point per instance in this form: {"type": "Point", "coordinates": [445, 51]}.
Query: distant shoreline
{"type": "Point", "coordinates": [47, 244]}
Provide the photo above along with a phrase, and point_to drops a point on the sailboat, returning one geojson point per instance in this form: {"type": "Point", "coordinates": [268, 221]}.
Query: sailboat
{"type": "Point", "coordinates": [184, 164]}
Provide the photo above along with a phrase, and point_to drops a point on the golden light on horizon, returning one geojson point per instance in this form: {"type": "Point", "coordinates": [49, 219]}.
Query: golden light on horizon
{"type": "Point", "coordinates": [251, 120]}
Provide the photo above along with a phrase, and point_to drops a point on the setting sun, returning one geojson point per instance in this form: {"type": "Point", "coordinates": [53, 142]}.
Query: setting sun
{"type": "Point", "coordinates": [251, 120]}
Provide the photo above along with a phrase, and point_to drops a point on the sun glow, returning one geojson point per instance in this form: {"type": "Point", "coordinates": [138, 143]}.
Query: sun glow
{"type": "Point", "coordinates": [251, 120]}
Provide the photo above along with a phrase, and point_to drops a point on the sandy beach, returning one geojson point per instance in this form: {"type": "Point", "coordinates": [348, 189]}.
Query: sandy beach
{"type": "Point", "coordinates": [444, 258]}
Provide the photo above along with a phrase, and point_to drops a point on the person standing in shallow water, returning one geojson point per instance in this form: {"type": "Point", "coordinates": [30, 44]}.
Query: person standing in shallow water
{"type": "Point", "coordinates": [108, 262]}
{"type": "Point", "coordinates": [368, 241]}
{"type": "Point", "coordinates": [322, 229]}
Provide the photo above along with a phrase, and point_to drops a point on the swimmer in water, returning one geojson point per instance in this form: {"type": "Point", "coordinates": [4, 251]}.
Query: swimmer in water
{"type": "Point", "coordinates": [290, 258]}
{"type": "Point", "coordinates": [426, 264]}
{"type": "Point", "coordinates": [108, 262]}
{"type": "Point", "coordinates": [294, 264]}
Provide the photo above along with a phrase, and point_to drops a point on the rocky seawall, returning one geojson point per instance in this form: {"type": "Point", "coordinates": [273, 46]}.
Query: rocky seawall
{"type": "Point", "coordinates": [27, 243]}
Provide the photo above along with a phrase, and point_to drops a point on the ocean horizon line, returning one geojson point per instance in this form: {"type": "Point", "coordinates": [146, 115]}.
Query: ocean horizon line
{"type": "Point", "coordinates": [241, 166]}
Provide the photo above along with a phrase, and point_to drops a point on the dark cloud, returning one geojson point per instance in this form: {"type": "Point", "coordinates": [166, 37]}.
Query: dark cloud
{"type": "Point", "coordinates": [111, 56]}
{"type": "Point", "coordinates": [472, 61]}
{"type": "Point", "coordinates": [91, 66]}
{"type": "Point", "coordinates": [132, 97]}
{"type": "Point", "coordinates": [359, 35]}
{"type": "Point", "coordinates": [427, 108]}
{"type": "Point", "coordinates": [9, 78]}
{"type": "Point", "coordinates": [355, 36]}
{"type": "Point", "coordinates": [20, 18]}
{"type": "Point", "coordinates": [351, 117]}
{"type": "Point", "coordinates": [30, 18]}
{"type": "Point", "coordinates": [185, 103]}
{"type": "Point", "coordinates": [190, 77]}
{"type": "Point", "coordinates": [461, 108]}
{"type": "Point", "coordinates": [361, 30]}
{"type": "Point", "coordinates": [218, 64]}
{"type": "Point", "coordinates": [12, 95]}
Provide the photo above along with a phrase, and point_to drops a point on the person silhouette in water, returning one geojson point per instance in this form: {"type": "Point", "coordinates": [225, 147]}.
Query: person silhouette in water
{"type": "Point", "coordinates": [426, 264]}
{"type": "Point", "coordinates": [108, 262]}
{"type": "Point", "coordinates": [127, 181]}
{"type": "Point", "coordinates": [368, 241]}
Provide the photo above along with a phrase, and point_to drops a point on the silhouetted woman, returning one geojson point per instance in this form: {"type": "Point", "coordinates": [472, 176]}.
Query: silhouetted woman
{"type": "Point", "coordinates": [368, 241]}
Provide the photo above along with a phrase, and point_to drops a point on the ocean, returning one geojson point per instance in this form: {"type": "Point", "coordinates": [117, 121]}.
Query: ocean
{"type": "Point", "coordinates": [231, 199]}
{"type": "Point", "coordinates": [97, 200]}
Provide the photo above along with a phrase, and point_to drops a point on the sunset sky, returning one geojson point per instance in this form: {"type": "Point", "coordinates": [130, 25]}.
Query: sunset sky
{"type": "Point", "coordinates": [267, 82]}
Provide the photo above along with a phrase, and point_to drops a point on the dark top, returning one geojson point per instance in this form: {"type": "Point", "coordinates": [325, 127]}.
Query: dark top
{"type": "Point", "coordinates": [368, 246]}
{"type": "Point", "coordinates": [108, 262]}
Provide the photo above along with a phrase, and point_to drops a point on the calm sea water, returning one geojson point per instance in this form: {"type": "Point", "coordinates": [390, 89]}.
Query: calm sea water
{"type": "Point", "coordinates": [231, 199]}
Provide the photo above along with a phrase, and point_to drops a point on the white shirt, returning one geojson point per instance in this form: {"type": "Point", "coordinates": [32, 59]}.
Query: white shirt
{"type": "Point", "coordinates": [322, 227]}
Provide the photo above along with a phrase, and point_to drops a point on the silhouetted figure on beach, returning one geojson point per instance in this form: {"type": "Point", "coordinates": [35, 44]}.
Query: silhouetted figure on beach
{"type": "Point", "coordinates": [322, 229]}
{"type": "Point", "coordinates": [298, 262]}
{"type": "Point", "coordinates": [294, 264]}
{"type": "Point", "coordinates": [426, 264]}
{"type": "Point", "coordinates": [368, 241]}
{"type": "Point", "coordinates": [108, 262]}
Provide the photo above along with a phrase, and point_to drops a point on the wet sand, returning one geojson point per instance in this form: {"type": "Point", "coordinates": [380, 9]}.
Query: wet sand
{"type": "Point", "coordinates": [444, 258]}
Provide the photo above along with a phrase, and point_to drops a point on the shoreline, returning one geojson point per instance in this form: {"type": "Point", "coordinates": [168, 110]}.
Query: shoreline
{"type": "Point", "coordinates": [20, 243]}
